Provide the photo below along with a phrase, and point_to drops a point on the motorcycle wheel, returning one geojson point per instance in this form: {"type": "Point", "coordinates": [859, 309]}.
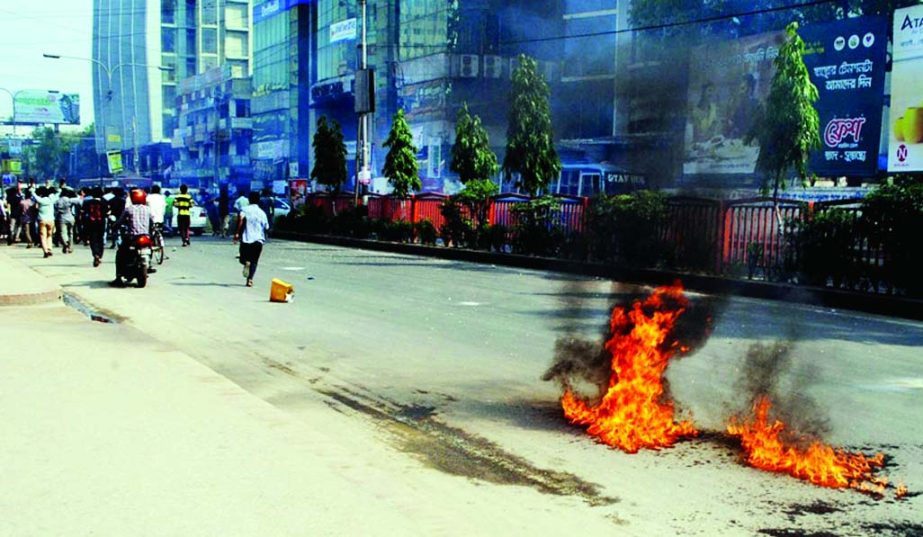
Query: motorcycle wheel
{"type": "Point", "coordinates": [142, 275]}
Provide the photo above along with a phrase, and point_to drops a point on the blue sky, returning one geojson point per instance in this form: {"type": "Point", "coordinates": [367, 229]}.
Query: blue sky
{"type": "Point", "coordinates": [30, 27]}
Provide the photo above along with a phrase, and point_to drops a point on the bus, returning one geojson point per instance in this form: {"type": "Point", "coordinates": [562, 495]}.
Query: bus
{"type": "Point", "coordinates": [593, 179]}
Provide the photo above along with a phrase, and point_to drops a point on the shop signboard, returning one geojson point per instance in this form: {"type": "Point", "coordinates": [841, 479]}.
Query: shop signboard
{"type": "Point", "coordinates": [905, 147]}
{"type": "Point", "coordinates": [343, 30]}
{"type": "Point", "coordinates": [846, 62]}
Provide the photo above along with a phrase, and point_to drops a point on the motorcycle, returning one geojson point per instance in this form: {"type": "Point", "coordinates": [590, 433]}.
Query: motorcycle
{"type": "Point", "coordinates": [132, 263]}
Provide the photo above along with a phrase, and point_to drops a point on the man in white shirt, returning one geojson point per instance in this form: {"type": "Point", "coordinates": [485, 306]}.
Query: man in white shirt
{"type": "Point", "coordinates": [251, 231]}
{"type": "Point", "coordinates": [158, 206]}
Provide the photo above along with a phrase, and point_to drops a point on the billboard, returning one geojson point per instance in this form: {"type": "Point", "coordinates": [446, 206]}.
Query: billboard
{"type": "Point", "coordinates": [905, 147]}
{"type": "Point", "coordinates": [343, 31]}
{"type": "Point", "coordinates": [727, 82]}
{"type": "Point", "coordinates": [846, 61]}
{"type": "Point", "coordinates": [50, 107]}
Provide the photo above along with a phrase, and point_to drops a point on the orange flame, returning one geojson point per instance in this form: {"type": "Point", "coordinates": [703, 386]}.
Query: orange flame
{"type": "Point", "coordinates": [818, 463]}
{"type": "Point", "coordinates": [631, 415]}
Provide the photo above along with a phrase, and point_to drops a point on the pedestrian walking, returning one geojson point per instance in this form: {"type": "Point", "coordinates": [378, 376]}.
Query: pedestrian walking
{"type": "Point", "coordinates": [158, 204]}
{"type": "Point", "coordinates": [95, 211]}
{"type": "Point", "coordinates": [168, 213]}
{"type": "Point", "coordinates": [116, 205]}
{"type": "Point", "coordinates": [45, 198]}
{"type": "Point", "coordinates": [4, 218]}
{"type": "Point", "coordinates": [182, 204]}
{"type": "Point", "coordinates": [65, 209]}
{"type": "Point", "coordinates": [224, 210]}
{"type": "Point", "coordinates": [14, 200]}
{"type": "Point", "coordinates": [251, 231]}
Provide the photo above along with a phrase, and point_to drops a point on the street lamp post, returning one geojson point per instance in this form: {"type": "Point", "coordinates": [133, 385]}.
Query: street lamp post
{"type": "Point", "coordinates": [110, 71]}
{"type": "Point", "coordinates": [13, 95]}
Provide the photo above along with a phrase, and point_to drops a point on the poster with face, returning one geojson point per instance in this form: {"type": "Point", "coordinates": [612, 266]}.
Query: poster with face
{"type": "Point", "coordinates": [727, 82]}
{"type": "Point", "coordinates": [905, 147]}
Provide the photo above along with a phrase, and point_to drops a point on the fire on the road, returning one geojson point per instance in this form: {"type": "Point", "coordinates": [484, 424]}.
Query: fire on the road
{"type": "Point", "coordinates": [763, 441]}
{"type": "Point", "coordinates": [635, 413]}
{"type": "Point", "coordinates": [632, 414]}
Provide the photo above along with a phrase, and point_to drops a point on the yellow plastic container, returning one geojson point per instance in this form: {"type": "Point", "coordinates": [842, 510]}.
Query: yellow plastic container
{"type": "Point", "coordinates": [913, 125]}
{"type": "Point", "coordinates": [899, 129]}
{"type": "Point", "coordinates": [281, 291]}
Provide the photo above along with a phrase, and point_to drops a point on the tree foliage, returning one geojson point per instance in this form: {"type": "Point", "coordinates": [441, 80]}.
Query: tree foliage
{"type": "Point", "coordinates": [472, 158]}
{"type": "Point", "coordinates": [401, 161]}
{"type": "Point", "coordinates": [787, 126]}
{"type": "Point", "coordinates": [530, 148]}
{"type": "Point", "coordinates": [49, 155]}
{"type": "Point", "coordinates": [329, 155]}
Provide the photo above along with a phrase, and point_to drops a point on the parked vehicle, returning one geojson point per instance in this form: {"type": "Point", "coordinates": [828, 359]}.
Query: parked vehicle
{"type": "Point", "coordinates": [280, 208]}
{"type": "Point", "coordinates": [198, 218]}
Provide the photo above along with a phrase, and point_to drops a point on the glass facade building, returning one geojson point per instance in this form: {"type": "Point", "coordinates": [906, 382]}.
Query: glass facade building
{"type": "Point", "coordinates": [136, 101]}
{"type": "Point", "coordinates": [282, 67]}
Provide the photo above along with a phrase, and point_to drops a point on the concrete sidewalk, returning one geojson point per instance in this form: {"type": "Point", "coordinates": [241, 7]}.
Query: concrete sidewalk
{"type": "Point", "coordinates": [106, 431]}
{"type": "Point", "coordinates": [21, 285]}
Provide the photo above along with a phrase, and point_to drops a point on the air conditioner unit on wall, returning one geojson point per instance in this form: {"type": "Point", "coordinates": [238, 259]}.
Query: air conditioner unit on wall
{"type": "Point", "coordinates": [468, 66]}
{"type": "Point", "coordinates": [493, 66]}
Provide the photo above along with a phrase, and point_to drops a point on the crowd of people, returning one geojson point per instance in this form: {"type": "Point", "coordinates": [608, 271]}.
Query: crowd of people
{"type": "Point", "coordinates": [52, 217]}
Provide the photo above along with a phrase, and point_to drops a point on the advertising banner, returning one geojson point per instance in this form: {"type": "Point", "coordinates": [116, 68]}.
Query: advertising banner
{"type": "Point", "coordinates": [114, 159]}
{"type": "Point", "coordinates": [50, 107]}
{"type": "Point", "coordinates": [905, 147]}
{"type": "Point", "coordinates": [727, 82]}
{"type": "Point", "coordinates": [343, 31]}
{"type": "Point", "coordinates": [846, 61]}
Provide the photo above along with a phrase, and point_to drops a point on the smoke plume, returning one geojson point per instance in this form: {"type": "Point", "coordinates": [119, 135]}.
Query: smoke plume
{"type": "Point", "coordinates": [768, 370]}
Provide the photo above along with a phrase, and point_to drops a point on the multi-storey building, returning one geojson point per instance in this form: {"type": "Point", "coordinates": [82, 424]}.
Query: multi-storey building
{"type": "Point", "coordinates": [429, 57]}
{"type": "Point", "coordinates": [141, 49]}
{"type": "Point", "coordinates": [212, 143]}
{"type": "Point", "coordinates": [283, 33]}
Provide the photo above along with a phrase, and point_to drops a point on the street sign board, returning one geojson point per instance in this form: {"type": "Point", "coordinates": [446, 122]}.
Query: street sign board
{"type": "Point", "coordinates": [49, 107]}
{"type": "Point", "coordinates": [114, 159]}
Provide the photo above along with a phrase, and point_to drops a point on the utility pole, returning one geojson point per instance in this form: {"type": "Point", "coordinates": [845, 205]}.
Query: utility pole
{"type": "Point", "coordinates": [216, 148]}
{"type": "Point", "coordinates": [363, 168]}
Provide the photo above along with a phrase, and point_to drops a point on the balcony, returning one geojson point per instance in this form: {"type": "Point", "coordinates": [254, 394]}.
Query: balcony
{"type": "Point", "coordinates": [242, 123]}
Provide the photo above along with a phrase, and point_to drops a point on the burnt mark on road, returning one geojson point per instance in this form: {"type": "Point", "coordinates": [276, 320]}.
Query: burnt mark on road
{"type": "Point", "coordinates": [417, 431]}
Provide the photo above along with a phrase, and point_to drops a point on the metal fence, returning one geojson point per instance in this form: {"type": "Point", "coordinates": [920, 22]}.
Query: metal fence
{"type": "Point", "coordinates": [736, 237]}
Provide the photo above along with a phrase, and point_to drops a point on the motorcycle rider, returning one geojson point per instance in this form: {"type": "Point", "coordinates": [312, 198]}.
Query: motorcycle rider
{"type": "Point", "coordinates": [137, 221]}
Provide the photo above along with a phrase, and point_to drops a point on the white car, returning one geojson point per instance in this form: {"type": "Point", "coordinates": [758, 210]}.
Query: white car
{"type": "Point", "coordinates": [198, 218]}
{"type": "Point", "coordinates": [280, 208]}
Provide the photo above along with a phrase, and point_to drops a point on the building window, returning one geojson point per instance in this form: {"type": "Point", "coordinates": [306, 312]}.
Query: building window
{"type": "Point", "coordinates": [191, 44]}
{"type": "Point", "coordinates": [168, 39]}
{"type": "Point", "coordinates": [209, 11]}
{"type": "Point", "coordinates": [190, 14]}
{"type": "Point", "coordinates": [209, 41]}
{"type": "Point", "coordinates": [241, 108]}
{"type": "Point", "coordinates": [235, 17]}
{"type": "Point", "coordinates": [168, 11]}
{"type": "Point", "coordinates": [235, 45]}
{"type": "Point", "coordinates": [190, 66]}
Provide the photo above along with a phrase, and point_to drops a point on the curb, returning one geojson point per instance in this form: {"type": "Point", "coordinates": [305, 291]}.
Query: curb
{"type": "Point", "coordinates": [799, 294]}
{"type": "Point", "coordinates": [43, 293]}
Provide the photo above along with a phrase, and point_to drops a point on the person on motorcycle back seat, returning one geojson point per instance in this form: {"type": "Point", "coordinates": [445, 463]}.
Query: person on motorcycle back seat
{"type": "Point", "coordinates": [136, 219]}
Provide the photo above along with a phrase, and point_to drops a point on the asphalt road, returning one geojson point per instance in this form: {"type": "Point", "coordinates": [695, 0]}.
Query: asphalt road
{"type": "Point", "coordinates": [437, 365]}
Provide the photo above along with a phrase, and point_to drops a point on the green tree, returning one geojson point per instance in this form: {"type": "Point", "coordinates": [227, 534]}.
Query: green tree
{"type": "Point", "coordinates": [474, 163]}
{"type": "Point", "coordinates": [787, 127]}
{"type": "Point", "coordinates": [51, 154]}
{"type": "Point", "coordinates": [83, 148]}
{"type": "Point", "coordinates": [530, 148]}
{"type": "Point", "coordinates": [401, 161]}
{"type": "Point", "coordinates": [329, 155]}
